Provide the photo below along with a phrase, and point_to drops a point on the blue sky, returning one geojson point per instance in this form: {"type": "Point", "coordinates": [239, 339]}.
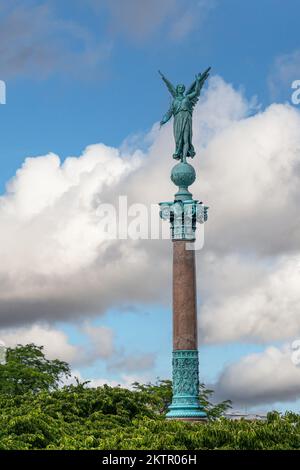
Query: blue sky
{"type": "Point", "coordinates": [80, 73]}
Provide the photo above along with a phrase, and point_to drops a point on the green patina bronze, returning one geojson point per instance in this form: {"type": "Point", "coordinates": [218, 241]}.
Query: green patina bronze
{"type": "Point", "coordinates": [183, 217]}
{"type": "Point", "coordinates": [182, 109]}
{"type": "Point", "coordinates": [183, 175]}
{"type": "Point", "coordinates": [185, 403]}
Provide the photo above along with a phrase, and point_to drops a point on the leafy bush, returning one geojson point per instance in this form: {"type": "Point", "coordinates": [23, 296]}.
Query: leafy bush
{"type": "Point", "coordinates": [28, 370]}
{"type": "Point", "coordinates": [77, 417]}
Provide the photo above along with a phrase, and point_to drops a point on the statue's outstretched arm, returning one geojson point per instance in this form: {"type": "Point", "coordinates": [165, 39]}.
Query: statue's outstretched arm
{"type": "Point", "coordinates": [170, 87]}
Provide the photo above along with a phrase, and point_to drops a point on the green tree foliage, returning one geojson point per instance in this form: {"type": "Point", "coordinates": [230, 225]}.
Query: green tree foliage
{"type": "Point", "coordinates": [159, 396]}
{"type": "Point", "coordinates": [35, 413]}
{"type": "Point", "coordinates": [28, 370]}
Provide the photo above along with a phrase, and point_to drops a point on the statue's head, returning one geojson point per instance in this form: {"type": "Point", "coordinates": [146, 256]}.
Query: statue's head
{"type": "Point", "coordinates": [180, 89]}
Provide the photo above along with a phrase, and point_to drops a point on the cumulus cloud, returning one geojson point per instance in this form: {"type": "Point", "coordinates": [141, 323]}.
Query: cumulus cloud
{"type": "Point", "coordinates": [54, 341]}
{"type": "Point", "coordinates": [57, 263]}
{"type": "Point", "coordinates": [258, 302]}
{"type": "Point", "coordinates": [58, 236]}
{"type": "Point", "coordinates": [101, 345]}
{"type": "Point", "coordinates": [57, 345]}
{"type": "Point", "coordinates": [251, 175]}
{"type": "Point", "coordinates": [263, 378]}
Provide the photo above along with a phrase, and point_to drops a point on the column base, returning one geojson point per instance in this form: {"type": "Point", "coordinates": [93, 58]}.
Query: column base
{"type": "Point", "coordinates": [186, 408]}
{"type": "Point", "coordinates": [186, 414]}
{"type": "Point", "coordinates": [185, 404]}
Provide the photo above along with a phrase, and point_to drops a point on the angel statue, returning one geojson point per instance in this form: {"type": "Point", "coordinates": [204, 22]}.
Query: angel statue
{"type": "Point", "coordinates": [182, 109]}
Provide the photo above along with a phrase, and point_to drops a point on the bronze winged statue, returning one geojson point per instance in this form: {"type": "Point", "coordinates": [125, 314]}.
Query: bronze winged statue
{"type": "Point", "coordinates": [182, 107]}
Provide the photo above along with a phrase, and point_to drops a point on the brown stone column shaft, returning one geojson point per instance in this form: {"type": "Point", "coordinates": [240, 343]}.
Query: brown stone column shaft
{"type": "Point", "coordinates": [184, 297]}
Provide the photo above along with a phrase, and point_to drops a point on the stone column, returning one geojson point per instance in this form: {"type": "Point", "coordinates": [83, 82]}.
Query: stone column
{"type": "Point", "coordinates": [183, 214]}
{"type": "Point", "coordinates": [185, 405]}
{"type": "Point", "coordinates": [184, 297]}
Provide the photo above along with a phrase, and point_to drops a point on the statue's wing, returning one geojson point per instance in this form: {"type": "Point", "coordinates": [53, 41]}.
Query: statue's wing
{"type": "Point", "coordinates": [191, 89]}
{"type": "Point", "coordinates": [170, 87]}
{"type": "Point", "coordinates": [194, 100]}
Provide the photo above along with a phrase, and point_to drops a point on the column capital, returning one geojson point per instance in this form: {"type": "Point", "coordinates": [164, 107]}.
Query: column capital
{"type": "Point", "coordinates": [183, 217]}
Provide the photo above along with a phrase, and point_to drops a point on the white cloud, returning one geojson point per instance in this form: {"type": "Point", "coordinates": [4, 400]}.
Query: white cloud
{"type": "Point", "coordinates": [100, 344]}
{"type": "Point", "coordinates": [55, 342]}
{"type": "Point", "coordinates": [250, 300]}
{"type": "Point", "coordinates": [250, 176]}
{"type": "Point", "coordinates": [57, 345]}
{"type": "Point", "coordinates": [262, 378]}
